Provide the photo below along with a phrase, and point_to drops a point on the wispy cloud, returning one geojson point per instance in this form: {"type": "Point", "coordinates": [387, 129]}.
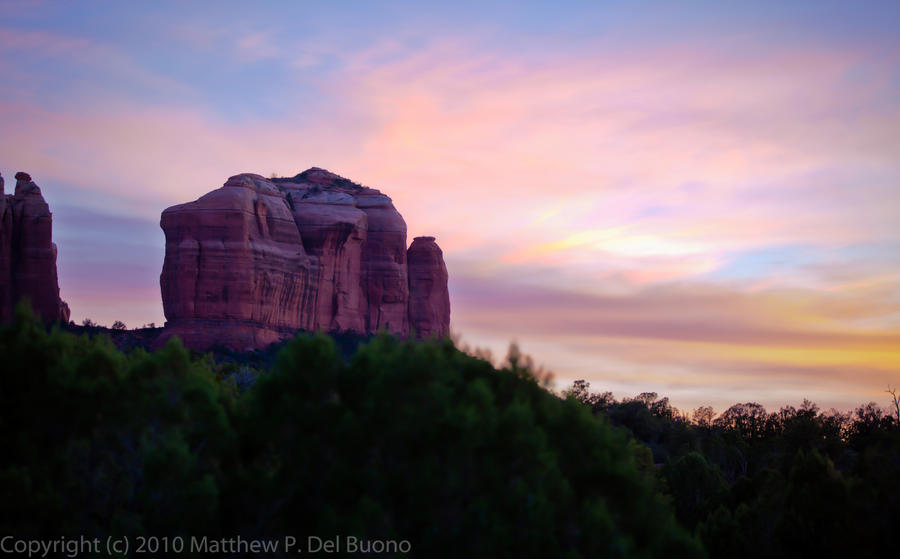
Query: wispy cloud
{"type": "Point", "coordinates": [696, 337]}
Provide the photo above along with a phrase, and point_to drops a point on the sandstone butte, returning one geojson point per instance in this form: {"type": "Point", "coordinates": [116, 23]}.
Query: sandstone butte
{"type": "Point", "coordinates": [258, 259]}
{"type": "Point", "coordinates": [27, 253]}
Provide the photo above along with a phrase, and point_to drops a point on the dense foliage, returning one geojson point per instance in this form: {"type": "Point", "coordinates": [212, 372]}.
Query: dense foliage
{"type": "Point", "coordinates": [383, 439]}
{"type": "Point", "coordinates": [412, 441]}
{"type": "Point", "coordinates": [792, 483]}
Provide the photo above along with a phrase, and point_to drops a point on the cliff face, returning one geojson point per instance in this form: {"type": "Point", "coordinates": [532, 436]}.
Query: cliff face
{"type": "Point", "coordinates": [255, 260]}
{"type": "Point", "coordinates": [27, 253]}
{"type": "Point", "coordinates": [333, 232]}
{"type": "Point", "coordinates": [235, 270]}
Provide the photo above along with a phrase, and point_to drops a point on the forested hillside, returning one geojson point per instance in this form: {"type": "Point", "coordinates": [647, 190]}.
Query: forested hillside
{"type": "Point", "coordinates": [407, 441]}
{"type": "Point", "coordinates": [424, 443]}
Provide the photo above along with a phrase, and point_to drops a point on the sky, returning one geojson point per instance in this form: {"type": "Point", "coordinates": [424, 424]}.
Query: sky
{"type": "Point", "coordinates": [698, 199]}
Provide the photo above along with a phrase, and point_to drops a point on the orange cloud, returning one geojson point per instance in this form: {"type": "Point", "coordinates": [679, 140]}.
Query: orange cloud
{"type": "Point", "coordinates": [710, 343]}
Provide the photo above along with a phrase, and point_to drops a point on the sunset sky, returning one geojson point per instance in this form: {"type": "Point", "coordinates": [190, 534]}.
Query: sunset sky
{"type": "Point", "coordinates": [700, 199]}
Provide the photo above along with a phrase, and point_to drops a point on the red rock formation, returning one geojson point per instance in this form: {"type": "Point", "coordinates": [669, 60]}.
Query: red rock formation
{"type": "Point", "coordinates": [429, 300]}
{"type": "Point", "coordinates": [332, 256]}
{"type": "Point", "coordinates": [235, 271]}
{"type": "Point", "coordinates": [27, 253]}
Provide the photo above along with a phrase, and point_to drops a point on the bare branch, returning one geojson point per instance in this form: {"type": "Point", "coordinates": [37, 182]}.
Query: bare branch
{"type": "Point", "coordinates": [896, 402]}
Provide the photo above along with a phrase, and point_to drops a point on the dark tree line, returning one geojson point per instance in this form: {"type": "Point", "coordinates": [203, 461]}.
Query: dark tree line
{"type": "Point", "coordinates": [797, 482]}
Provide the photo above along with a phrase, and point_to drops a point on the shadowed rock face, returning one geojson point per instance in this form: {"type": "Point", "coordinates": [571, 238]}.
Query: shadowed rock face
{"type": "Point", "coordinates": [27, 253]}
{"type": "Point", "coordinates": [429, 300]}
{"type": "Point", "coordinates": [258, 259]}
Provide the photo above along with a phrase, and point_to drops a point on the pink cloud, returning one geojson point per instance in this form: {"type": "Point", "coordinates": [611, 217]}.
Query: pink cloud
{"type": "Point", "coordinates": [608, 135]}
{"type": "Point", "coordinates": [593, 187]}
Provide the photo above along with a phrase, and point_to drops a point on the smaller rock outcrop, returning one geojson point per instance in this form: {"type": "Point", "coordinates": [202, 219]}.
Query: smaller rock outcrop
{"type": "Point", "coordinates": [429, 299]}
{"type": "Point", "coordinates": [27, 252]}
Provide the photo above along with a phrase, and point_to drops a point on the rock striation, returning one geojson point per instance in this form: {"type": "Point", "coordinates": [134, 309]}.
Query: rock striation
{"type": "Point", "coordinates": [258, 259]}
{"type": "Point", "coordinates": [27, 253]}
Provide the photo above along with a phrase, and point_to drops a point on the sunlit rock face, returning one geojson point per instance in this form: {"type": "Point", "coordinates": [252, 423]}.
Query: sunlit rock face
{"type": "Point", "coordinates": [27, 253]}
{"type": "Point", "coordinates": [384, 265]}
{"type": "Point", "coordinates": [334, 232]}
{"type": "Point", "coordinates": [258, 259]}
{"type": "Point", "coordinates": [235, 272]}
{"type": "Point", "coordinates": [429, 299]}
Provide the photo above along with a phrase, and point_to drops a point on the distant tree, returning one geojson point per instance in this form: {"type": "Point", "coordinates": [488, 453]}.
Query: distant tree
{"type": "Point", "coordinates": [703, 416]}
{"type": "Point", "coordinates": [520, 363]}
{"type": "Point", "coordinates": [896, 401]}
{"type": "Point", "coordinates": [602, 402]}
{"type": "Point", "coordinates": [867, 425]}
{"type": "Point", "coordinates": [749, 419]}
{"type": "Point", "coordinates": [662, 408]}
{"type": "Point", "coordinates": [88, 323]}
{"type": "Point", "coordinates": [646, 398]}
{"type": "Point", "coordinates": [580, 390]}
{"type": "Point", "coordinates": [118, 325]}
